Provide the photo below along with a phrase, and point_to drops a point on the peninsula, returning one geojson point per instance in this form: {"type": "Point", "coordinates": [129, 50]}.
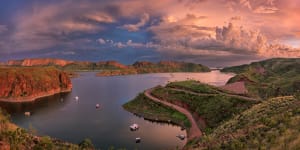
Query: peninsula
{"type": "Point", "coordinates": [257, 108]}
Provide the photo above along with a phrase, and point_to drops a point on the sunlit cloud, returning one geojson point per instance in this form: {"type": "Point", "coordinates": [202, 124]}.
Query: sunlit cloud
{"type": "Point", "coordinates": [193, 28]}
{"type": "Point", "coordinates": [135, 27]}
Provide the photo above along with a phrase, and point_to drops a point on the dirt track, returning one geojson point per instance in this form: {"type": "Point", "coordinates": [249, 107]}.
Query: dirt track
{"type": "Point", "coordinates": [194, 131]}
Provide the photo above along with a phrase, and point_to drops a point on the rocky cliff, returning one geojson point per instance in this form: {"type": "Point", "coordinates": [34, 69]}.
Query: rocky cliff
{"type": "Point", "coordinates": [39, 62]}
{"type": "Point", "coordinates": [20, 84]}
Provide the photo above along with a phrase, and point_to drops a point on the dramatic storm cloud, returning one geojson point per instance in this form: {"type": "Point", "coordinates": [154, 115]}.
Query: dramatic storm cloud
{"type": "Point", "coordinates": [192, 30]}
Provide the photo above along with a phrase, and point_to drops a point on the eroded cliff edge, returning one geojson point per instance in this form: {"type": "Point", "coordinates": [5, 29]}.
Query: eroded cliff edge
{"type": "Point", "coordinates": [22, 84]}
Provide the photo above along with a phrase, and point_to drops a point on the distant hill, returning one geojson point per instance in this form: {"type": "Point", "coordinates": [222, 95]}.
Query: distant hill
{"type": "Point", "coordinates": [142, 67]}
{"type": "Point", "coordinates": [66, 64]}
{"type": "Point", "coordinates": [269, 78]}
{"type": "Point", "coordinates": [111, 68]}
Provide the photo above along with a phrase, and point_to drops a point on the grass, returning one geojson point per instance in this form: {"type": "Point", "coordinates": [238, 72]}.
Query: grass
{"type": "Point", "coordinates": [194, 86]}
{"type": "Point", "coordinates": [273, 124]}
{"type": "Point", "coordinates": [214, 109]}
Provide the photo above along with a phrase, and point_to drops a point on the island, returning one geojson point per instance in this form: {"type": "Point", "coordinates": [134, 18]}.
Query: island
{"type": "Point", "coordinates": [23, 84]}
{"type": "Point", "coordinates": [257, 109]}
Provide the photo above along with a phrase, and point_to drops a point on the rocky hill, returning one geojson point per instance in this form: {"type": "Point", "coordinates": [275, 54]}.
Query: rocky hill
{"type": "Point", "coordinates": [269, 78]}
{"type": "Point", "coordinates": [264, 115]}
{"type": "Point", "coordinates": [20, 84]}
{"type": "Point", "coordinates": [111, 68]}
{"type": "Point", "coordinates": [142, 67]}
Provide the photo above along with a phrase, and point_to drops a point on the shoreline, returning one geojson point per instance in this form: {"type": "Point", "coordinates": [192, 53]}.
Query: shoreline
{"type": "Point", "coordinates": [99, 75]}
{"type": "Point", "coordinates": [34, 98]}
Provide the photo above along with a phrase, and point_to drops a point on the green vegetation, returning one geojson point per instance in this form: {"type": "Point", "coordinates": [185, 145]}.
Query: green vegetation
{"type": "Point", "coordinates": [269, 78]}
{"type": "Point", "coordinates": [15, 138]}
{"type": "Point", "coordinates": [149, 109]}
{"type": "Point", "coordinates": [237, 122]}
{"type": "Point", "coordinates": [86, 144]}
{"type": "Point", "coordinates": [168, 66]}
{"type": "Point", "coordinates": [117, 72]}
{"type": "Point", "coordinates": [273, 124]}
{"type": "Point", "coordinates": [194, 86]}
{"type": "Point", "coordinates": [213, 108]}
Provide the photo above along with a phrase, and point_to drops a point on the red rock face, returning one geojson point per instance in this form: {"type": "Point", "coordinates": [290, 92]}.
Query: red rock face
{"type": "Point", "coordinates": [30, 83]}
{"type": "Point", "coordinates": [112, 64]}
{"type": "Point", "coordinates": [39, 62]}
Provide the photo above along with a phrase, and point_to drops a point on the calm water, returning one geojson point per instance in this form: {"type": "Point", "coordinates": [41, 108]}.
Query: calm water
{"type": "Point", "coordinates": [62, 117]}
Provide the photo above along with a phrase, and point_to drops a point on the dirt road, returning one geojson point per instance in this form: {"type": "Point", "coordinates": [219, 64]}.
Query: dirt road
{"type": "Point", "coordinates": [194, 131]}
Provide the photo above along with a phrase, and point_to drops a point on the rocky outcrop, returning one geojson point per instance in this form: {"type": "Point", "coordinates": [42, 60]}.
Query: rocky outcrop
{"type": "Point", "coordinates": [111, 64]}
{"type": "Point", "coordinates": [39, 62]}
{"type": "Point", "coordinates": [20, 84]}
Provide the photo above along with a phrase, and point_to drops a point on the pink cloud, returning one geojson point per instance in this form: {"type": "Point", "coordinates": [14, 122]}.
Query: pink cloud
{"type": "Point", "coordinates": [135, 27]}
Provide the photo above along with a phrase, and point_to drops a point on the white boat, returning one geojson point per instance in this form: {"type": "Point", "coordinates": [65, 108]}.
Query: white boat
{"type": "Point", "coordinates": [138, 140]}
{"type": "Point", "coordinates": [27, 113]}
{"type": "Point", "coordinates": [76, 98]}
{"type": "Point", "coordinates": [181, 136]}
{"type": "Point", "coordinates": [97, 105]}
{"type": "Point", "coordinates": [134, 127]}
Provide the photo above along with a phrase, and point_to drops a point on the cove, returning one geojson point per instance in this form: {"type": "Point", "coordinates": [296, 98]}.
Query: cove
{"type": "Point", "coordinates": [62, 117]}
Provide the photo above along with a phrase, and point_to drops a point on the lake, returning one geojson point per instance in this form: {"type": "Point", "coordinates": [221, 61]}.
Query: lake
{"type": "Point", "coordinates": [62, 117]}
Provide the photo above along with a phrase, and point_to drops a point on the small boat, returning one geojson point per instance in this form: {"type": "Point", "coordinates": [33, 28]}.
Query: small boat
{"type": "Point", "coordinates": [138, 140]}
{"type": "Point", "coordinates": [134, 127]}
{"type": "Point", "coordinates": [27, 113]}
{"type": "Point", "coordinates": [181, 136]}
{"type": "Point", "coordinates": [97, 105]}
{"type": "Point", "coordinates": [76, 98]}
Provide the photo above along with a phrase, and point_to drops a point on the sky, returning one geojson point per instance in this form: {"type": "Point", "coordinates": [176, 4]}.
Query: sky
{"type": "Point", "coordinates": [211, 32]}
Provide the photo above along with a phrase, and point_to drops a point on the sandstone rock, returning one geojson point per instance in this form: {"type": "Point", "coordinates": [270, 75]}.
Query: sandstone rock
{"type": "Point", "coordinates": [39, 62]}
{"type": "Point", "coordinates": [18, 84]}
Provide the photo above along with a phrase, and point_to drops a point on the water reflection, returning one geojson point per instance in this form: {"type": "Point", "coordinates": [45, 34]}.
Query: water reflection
{"type": "Point", "coordinates": [73, 120]}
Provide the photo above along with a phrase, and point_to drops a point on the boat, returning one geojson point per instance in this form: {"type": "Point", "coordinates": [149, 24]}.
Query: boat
{"type": "Point", "coordinates": [27, 113]}
{"type": "Point", "coordinates": [138, 140]}
{"type": "Point", "coordinates": [181, 136]}
{"type": "Point", "coordinates": [76, 98]}
{"type": "Point", "coordinates": [134, 127]}
{"type": "Point", "coordinates": [97, 105]}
